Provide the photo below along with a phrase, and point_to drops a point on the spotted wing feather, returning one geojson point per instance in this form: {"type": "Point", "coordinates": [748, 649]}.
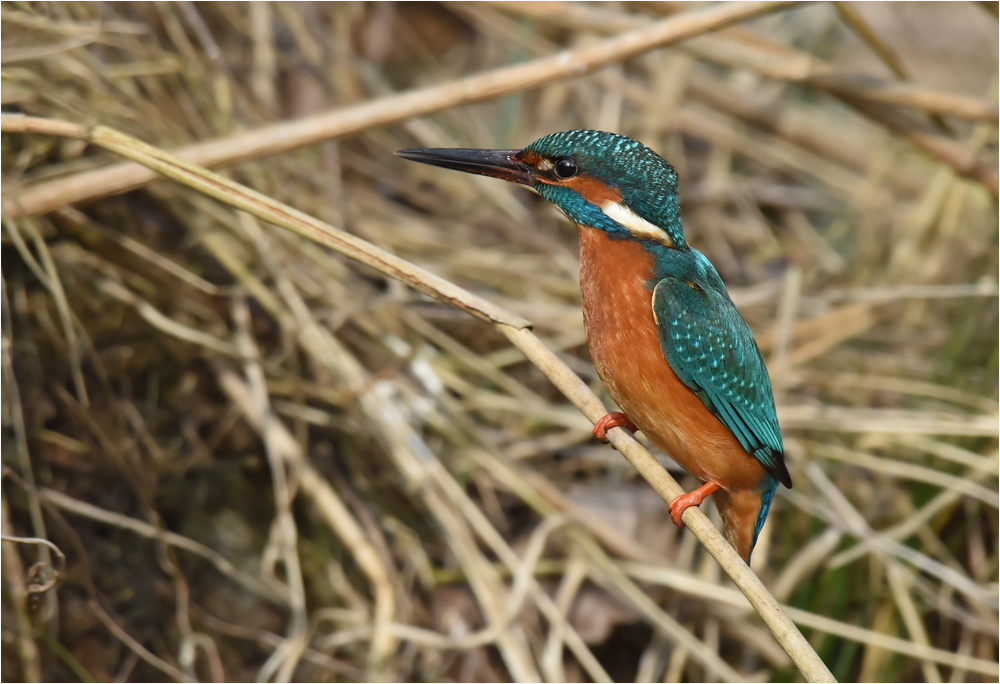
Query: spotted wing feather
{"type": "Point", "coordinates": [711, 349]}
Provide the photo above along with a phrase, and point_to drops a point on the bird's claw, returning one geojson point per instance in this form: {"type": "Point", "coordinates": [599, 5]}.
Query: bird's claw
{"type": "Point", "coordinates": [686, 501]}
{"type": "Point", "coordinates": [612, 420]}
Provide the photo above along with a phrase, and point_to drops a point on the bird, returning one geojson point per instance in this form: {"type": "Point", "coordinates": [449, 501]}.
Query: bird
{"type": "Point", "coordinates": [666, 339]}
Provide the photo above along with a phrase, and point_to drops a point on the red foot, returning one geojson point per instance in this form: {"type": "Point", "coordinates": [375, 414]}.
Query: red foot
{"type": "Point", "coordinates": [612, 420]}
{"type": "Point", "coordinates": [686, 501]}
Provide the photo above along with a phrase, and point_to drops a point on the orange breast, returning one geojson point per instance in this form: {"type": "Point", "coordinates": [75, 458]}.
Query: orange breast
{"type": "Point", "coordinates": [625, 346]}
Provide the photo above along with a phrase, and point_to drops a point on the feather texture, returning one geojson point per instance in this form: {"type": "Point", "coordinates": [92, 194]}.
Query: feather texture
{"type": "Point", "coordinates": [711, 348]}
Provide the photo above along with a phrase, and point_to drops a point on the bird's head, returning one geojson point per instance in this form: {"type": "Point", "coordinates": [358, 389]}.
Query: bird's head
{"type": "Point", "coordinates": [599, 180]}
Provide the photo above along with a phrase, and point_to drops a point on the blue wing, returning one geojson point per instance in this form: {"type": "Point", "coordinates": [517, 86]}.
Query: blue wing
{"type": "Point", "coordinates": [711, 349]}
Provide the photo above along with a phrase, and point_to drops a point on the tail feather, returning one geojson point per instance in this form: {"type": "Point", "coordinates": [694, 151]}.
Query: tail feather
{"type": "Point", "coordinates": [743, 515]}
{"type": "Point", "coordinates": [767, 496]}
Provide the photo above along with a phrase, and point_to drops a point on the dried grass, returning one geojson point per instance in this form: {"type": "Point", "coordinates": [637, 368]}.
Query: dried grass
{"type": "Point", "coordinates": [263, 460]}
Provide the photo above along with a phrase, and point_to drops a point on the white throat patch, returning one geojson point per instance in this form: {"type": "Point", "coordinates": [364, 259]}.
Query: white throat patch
{"type": "Point", "coordinates": [636, 224]}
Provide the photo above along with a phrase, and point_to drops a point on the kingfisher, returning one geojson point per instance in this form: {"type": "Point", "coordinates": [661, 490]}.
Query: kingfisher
{"type": "Point", "coordinates": [666, 339]}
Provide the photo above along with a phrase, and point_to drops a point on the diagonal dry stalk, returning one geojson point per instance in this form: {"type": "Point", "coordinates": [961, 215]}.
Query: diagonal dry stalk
{"type": "Point", "coordinates": [892, 363]}
{"type": "Point", "coordinates": [773, 61]}
{"type": "Point", "coordinates": [515, 329]}
{"type": "Point", "coordinates": [738, 48]}
{"type": "Point", "coordinates": [869, 96]}
{"type": "Point", "coordinates": [281, 137]}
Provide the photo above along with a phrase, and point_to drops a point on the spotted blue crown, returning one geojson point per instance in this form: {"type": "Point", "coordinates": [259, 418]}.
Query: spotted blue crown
{"type": "Point", "coordinates": [647, 182]}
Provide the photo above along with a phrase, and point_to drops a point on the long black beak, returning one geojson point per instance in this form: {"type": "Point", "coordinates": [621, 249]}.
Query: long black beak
{"type": "Point", "coordinates": [494, 163]}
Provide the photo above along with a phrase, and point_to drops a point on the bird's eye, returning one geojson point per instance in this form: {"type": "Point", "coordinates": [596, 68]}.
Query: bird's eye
{"type": "Point", "coordinates": [566, 168]}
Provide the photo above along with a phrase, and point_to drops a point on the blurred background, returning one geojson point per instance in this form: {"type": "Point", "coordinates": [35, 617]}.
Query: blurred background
{"type": "Point", "coordinates": [261, 460]}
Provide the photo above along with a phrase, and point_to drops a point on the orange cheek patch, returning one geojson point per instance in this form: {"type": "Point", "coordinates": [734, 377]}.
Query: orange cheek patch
{"type": "Point", "coordinates": [593, 190]}
{"type": "Point", "coordinates": [531, 157]}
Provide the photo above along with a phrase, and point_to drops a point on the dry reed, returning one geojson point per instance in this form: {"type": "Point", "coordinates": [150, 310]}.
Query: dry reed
{"type": "Point", "coordinates": [336, 477]}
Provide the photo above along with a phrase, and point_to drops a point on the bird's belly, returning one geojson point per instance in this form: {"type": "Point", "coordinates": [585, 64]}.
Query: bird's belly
{"type": "Point", "coordinates": [625, 347]}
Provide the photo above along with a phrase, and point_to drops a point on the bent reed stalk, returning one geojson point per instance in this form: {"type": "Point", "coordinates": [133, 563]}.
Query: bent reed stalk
{"type": "Point", "coordinates": [510, 325]}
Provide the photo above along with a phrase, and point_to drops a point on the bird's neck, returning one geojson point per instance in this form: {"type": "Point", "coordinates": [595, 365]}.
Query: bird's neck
{"type": "Point", "coordinates": [617, 261]}
{"type": "Point", "coordinates": [615, 275]}
{"type": "Point", "coordinates": [666, 215]}
{"type": "Point", "coordinates": [687, 264]}
{"type": "Point", "coordinates": [590, 202]}
{"type": "Point", "coordinates": [661, 208]}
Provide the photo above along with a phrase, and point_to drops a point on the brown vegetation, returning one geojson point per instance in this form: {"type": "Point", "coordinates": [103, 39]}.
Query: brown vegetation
{"type": "Point", "coordinates": [264, 460]}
